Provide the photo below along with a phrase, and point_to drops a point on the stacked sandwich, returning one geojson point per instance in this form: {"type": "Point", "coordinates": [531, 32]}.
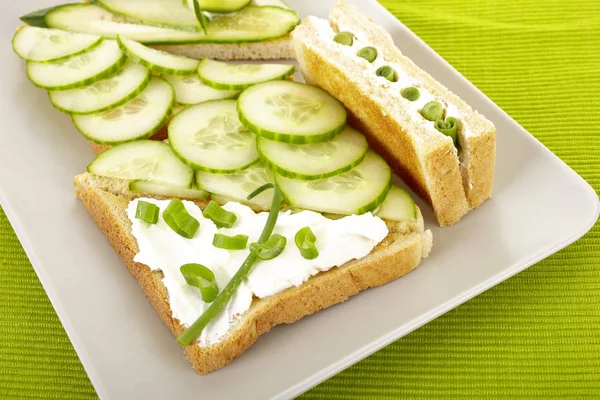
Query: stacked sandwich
{"type": "Point", "coordinates": [438, 144]}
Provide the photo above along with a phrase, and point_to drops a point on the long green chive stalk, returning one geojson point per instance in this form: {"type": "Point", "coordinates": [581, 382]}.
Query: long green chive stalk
{"type": "Point", "coordinates": [223, 298]}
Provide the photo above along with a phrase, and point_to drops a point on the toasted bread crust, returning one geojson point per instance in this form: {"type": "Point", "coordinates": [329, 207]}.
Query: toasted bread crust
{"type": "Point", "coordinates": [397, 255]}
{"type": "Point", "coordinates": [274, 49]}
{"type": "Point", "coordinates": [478, 172]}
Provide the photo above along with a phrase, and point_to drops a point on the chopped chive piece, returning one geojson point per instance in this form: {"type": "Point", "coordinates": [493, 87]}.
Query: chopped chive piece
{"type": "Point", "coordinates": [147, 212]}
{"type": "Point", "coordinates": [432, 111]}
{"type": "Point", "coordinates": [200, 16]}
{"type": "Point", "coordinates": [178, 219]}
{"type": "Point", "coordinates": [305, 241]}
{"type": "Point", "coordinates": [203, 278]}
{"type": "Point", "coordinates": [388, 73]}
{"type": "Point", "coordinates": [271, 249]}
{"type": "Point", "coordinates": [221, 217]}
{"type": "Point", "coordinates": [345, 38]}
{"type": "Point", "coordinates": [368, 53]}
{"type": "Point", "coordinates": [448, 127]}
{"type": "Point", "coordinates": [411, 93]}
{"type": "Point", "coordinates": [237, 242]}
{"type": "Point", "coordinates": [223, 298]}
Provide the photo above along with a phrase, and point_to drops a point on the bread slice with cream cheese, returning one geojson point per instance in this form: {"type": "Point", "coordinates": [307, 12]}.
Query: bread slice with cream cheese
{"type": "Point", "coordinates": [453, 181]}
{"type": "Point", "coordinates": [107, 199]}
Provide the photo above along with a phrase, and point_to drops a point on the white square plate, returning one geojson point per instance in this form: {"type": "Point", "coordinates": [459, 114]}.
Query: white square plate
{"type": "Point", "coordinates": [540, 206]}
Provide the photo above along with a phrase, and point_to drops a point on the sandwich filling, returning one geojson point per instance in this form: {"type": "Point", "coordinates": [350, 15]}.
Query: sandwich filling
{"type": "Point", "coordinates": [161, 248]}
{"type": "Point", "coordinates": [415, 98]}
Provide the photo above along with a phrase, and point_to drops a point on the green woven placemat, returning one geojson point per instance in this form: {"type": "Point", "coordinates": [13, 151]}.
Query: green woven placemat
{"type": "Point", "coordinates": [536, 335]}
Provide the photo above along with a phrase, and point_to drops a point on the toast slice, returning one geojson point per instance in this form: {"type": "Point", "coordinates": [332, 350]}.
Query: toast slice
{"type": "Point", "coordinates": [452, 181]}
{"type": "Point", "coordinates": [106, 200]}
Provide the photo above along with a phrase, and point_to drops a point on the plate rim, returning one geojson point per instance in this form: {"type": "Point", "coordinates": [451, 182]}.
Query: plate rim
{"type": "Point", "coordinates": [370, 347]}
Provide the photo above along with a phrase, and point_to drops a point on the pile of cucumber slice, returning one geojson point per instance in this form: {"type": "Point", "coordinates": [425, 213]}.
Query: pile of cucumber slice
{"type": "Point", "coordinates": [112, 89]}
{"type": "Point", "coordinates": [171, 21]}
{"type": "Point", "coordinates": [333, 172]}
{"type": "Point", "coordinates": [240, 125]}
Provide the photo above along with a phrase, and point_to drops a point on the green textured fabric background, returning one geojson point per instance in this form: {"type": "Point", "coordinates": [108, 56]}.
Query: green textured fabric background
{"type": "Point", "coordinates": [536, 335]}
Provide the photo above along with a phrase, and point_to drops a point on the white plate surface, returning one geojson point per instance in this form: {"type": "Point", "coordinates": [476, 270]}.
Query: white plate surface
{"type": "Point", "coordinates": [540, 205]}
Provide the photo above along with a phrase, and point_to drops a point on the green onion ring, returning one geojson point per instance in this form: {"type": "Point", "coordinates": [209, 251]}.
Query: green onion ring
{"type": "Point", "coordinates": [237, 242]}
{"type": "Point", "coordinates": [147, 212]}
{"type": "Point", "coordinates": [178, 219]}
{"type": "Point", "coordinates": [411, 93]}
{"type": "Point", "coordinates": [199, 276]}
{"type": "Point", "coordinates": [448, 127]}
{"type": "Point", "coordinates": [368, 53]}
{"type": "Point", "coordinates": [345, 38]}
{"type": "Point", "coordinates": [271, 249]}
{"type": "Point", "coordinates": [221, 217]}
{"type": "Point", "coordinates": [387, 72]}
{"type": "Point", "coordinates": [432, 111]}
{"type": "Point", "coordinates": [305, 241]}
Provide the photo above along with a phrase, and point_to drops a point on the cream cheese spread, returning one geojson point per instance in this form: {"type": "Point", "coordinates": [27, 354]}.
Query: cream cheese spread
{"type": "Point", "coordinates": [160, 248]}
{"type": "Point", "coordinates": [404, 79]}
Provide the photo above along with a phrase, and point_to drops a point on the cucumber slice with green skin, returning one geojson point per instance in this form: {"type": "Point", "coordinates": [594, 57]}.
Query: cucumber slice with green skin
{"type": "Point", "coordinates": [239, 185]}
{"type": "Point", "coordinates": [164, 190]}
{"type": "Point", "coordinates": [357, 191]}
{"type": "Point", "coordinates": [137, 119]}
{"type": "Point", "coordinates": [398, 206]}
{"type": "Point", "coordinates": [227, 76]}
{"type": "Point", "coordinates": [316, 160]}
{"type": "Point", "coordinates": [156, 60]}
{"type": "Point", "coordinates": [105, 94]}
{"type": "Point", "coordinates": [210, 137]}
{"type": "Point", "coordinates": [189, 90]}
{"type": "Point", "coordinates": [291, 112]}
{"type": "Point", "coordinates": [219, 6]}
{"type": "Point", "coordinates": [78, 71]}
{"type": "Point", "coordinates": [167, 13]}
{"type": "Point", "coordinates": [38, 17]}
{"type": "Point", "coordinates": [271, 3]}
{"type": "Point", "coordinates": [51, 45]}
{"type": "Point", "coordinates": [146, 160]}
{"type": "Point", "coordinates": [251, 24]}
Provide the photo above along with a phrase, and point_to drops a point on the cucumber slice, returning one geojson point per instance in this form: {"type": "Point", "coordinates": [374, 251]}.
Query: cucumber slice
{"type": "Point", "coordinates": [227, 76]}
{"type": "Point", "coordinates": [271, 3]}
{"type": "Point", "coordinates": [45, 45]}
{"type": "Point", "coordinates": [291, 112]}
{"type": "Point", "coordinates": [105, 94]}
{"type": "Point", "coordinates": [210, 137]}
{"type": "Point", "coordinates": [219, 6]}
{"type": "Point", "coordinates": [316, 160]}
{"type": "Point", "coordinates": [357, 191]}
{"type": "Point", "coordinates": [239, 185]}
{"type": "Point", "coordinates": [81, 70]}
{"type": "Point", "coordinates": [137, 119]}
{"type": "Point", "coordinates": [251, 24]}
{"type": "Point", "coordinates": [38, 17]}
{"type": "Point", "coordinates": [156, 60]}
{"type": "Point", "coordinates": [168, 13]}
{"type": "Point", "coordinates": [189, 90]}
{"type": "Point", "coordinates": [146, 160]}
{"type": "Point", "coordinates": [398, 206]}
{"type": "Point", "coordinates": [164, 190]}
